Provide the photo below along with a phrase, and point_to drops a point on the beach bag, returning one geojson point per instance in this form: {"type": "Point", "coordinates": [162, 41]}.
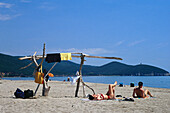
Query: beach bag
{"type": "Point", "coordinates": [132, 84]}
{"type": "Point", "coordinates": [39, 77]}
{"type": "Point", "coordinates": [19, 93]}
{"type": "Point", "coordinates": [28, 93]}
{"type": "Point", "coordinates": [121, 85]}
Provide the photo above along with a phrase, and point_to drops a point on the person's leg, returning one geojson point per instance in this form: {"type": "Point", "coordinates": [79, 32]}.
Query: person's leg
{"type": "Point", "coordinates": [147, 92]}
{"type": "Point", "coordinates": [111, 91]}
{"type": "Point", "coordinates": [108, 92]}
{"type": "Point", "coordinates": [113, 86]}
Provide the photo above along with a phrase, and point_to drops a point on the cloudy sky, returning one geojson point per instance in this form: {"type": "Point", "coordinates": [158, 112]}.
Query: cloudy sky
{"type": "Point", "coordinates": [136, 30]}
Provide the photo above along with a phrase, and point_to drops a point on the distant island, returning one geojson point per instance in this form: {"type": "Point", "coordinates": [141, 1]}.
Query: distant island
{"type": "Point", "coordinates": [10, 67]}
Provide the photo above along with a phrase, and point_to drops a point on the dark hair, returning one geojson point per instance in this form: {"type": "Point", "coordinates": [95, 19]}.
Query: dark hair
{"type": "Point", "coordinates": [90, 97]}
{"type": "Point", "coordinates": [140, 83]}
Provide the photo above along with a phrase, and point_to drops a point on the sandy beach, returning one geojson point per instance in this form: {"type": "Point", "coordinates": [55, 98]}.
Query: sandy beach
{"type": "Point", "coordinates": [61, 99]}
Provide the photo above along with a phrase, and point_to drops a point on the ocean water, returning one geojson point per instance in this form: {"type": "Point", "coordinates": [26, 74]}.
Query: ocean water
{"type": "Point", "coordinates": [149, 81]}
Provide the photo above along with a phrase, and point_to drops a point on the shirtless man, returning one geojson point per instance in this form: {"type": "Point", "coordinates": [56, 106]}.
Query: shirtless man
{"type": "Point", "coordinates": [140, 92]}
{"type": "Point", "coordinates": [109, 95]}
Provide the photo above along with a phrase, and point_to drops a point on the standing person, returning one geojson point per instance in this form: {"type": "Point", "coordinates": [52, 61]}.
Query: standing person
{"type": "Point", "coordinates": [140, 93]}
{"type": "Point", "coordinates": [68, 79]}
{"type": "Point", "coordinates": [109, 95]}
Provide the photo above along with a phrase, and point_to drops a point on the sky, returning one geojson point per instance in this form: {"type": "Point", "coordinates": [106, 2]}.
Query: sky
{"type": "Point", "coordinates": [136, 30]}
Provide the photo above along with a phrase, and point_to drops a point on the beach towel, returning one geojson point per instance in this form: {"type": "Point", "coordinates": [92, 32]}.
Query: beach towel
{"type": "Point", "coordinates": [117, 99]}
{"type": "Point", "coordinates": [57, 57]}
{"type": "Point", "coordinates": [145, 98]}
{"type": "Point", "coordinates": [74, 79]}
{"type": "Point", "coordinates": [65, 56]}
{"type": "Point", "coordinates": [53, 58]}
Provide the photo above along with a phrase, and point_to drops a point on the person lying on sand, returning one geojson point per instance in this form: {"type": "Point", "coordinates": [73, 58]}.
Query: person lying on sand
{"type": "Point", "coordinates": [140, 92]}
{"type": "Point", "coordinates": [109, 95]}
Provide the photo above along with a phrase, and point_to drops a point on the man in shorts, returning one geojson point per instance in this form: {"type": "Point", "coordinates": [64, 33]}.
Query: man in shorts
{"type": "Point", "coordinates": [140, 93]}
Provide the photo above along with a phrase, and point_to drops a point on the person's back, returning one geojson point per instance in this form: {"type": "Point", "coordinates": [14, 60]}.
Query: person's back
{"type": "Point", "coordinates": [140, 92]}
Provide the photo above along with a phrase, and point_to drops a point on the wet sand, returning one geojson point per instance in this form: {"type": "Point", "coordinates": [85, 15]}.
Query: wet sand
{"type": "Point", "coordinates": [61, 99]}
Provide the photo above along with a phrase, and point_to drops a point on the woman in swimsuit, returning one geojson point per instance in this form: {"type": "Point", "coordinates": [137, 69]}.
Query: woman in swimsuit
{"type": "Point", "coordinates": [109, 95]}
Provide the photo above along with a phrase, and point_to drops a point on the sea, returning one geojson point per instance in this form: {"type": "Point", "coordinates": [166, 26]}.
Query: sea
{"type": "Point", "coordinates": [149, 81]}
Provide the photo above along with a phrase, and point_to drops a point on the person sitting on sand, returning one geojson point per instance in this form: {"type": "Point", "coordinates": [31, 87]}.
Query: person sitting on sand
{"type": "Point", "coordinates": [140, 92]}
{"type": "Point", "coordinates": [109, 95]}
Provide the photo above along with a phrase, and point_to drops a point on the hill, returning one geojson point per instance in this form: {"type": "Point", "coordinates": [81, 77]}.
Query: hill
{"type": "Point", "coordinates": [10, 65]}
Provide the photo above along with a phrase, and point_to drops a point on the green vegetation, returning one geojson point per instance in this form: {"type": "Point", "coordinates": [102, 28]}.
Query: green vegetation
{"type": "Point", "coordinates": [10, 66]}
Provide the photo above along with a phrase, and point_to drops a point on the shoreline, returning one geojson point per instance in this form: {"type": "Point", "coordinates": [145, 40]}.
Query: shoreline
{"type": "Point", "coordinates": [165, 85]}
{"type": "Point", "coordinates": [61, 99]}
{"type": "Point", "coordinates": [92, 75]}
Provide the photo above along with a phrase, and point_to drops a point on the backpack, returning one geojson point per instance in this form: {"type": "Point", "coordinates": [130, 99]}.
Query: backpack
{"type": "Point", "coordinates": [19, 93]}
{"type": "Point", "coordinates": [28, 93]}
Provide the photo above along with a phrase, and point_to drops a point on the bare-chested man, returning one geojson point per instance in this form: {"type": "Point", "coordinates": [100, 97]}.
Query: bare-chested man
{"type": "Point", "coordinates": [140, 93]}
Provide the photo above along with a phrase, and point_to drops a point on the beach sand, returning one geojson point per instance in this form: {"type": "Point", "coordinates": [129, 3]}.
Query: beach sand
{"type": "Point", "coordinates": [61, 99]}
